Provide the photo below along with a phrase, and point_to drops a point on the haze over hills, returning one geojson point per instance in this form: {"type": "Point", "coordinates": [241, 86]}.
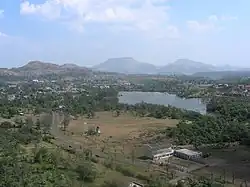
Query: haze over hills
{"type": "Point", "coordinates": [128, 65]}
{"type": "Point", "coordinates": [125, 65]}
{"type": "Point", "coordinates": [186, 66]}
{"type": "Point", "coordinates": [43, 68]}
{"type": "Point", "coordinates": [38, 65]}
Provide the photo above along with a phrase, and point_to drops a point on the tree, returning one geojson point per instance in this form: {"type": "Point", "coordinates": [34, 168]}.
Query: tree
{"type": "Point", "coordinates": [117, 113]}
{"type": "Point", "coordinates": [38, 124]}
{"type": "Point", "coordinates": [86, 172]}
{"type": "Point", "coordinates": [133, 155]}
{"type": "Point", "coordinates": [91, 114]}
{"type": "Point", "coordinates": [66, 121]}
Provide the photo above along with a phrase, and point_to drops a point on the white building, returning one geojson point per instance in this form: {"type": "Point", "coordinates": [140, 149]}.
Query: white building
{"type": "Point", "coordinates": [157, 152]}
{"type": "Point", "coordinates": [187, 154]}
{"type": "Point", "coordinates": [162, 154]}
{"type": "Point", "coordinates": [135, 184]}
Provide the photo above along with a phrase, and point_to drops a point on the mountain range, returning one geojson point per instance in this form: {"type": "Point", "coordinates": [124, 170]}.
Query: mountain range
{"type": "Point", "coordinates": [43, 68]}
{"type": "Point", "coordinates": [129, 65]}
{"type": "Point", "coordinates": [125, 65]}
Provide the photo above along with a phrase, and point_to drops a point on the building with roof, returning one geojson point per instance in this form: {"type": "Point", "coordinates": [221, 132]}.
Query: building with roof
{"type": "Point", "coordinates": [157, 152]}
{"type": "Point", "coordinates": [135, 184]}
{"type": "Point", "coordinates": [162, 154]}
{"type": "Point", "coordinates": [187, 154]}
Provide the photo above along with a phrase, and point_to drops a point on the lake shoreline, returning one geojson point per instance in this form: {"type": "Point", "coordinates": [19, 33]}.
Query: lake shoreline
{"type": "Point", "coordinates": [162, 98]}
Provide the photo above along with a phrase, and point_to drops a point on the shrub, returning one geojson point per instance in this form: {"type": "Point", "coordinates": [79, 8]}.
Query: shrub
{"type": "Point", "coordinates": [86, 172]}
{"type": "Point", "coordinates": [143, 177]}
{"type": "Point", "coordinates": [94, 159]}
{"type": "Point", "coordinates": [126, 171]}
{"type": "Point", "coordinates": [6, 124]}
{"type": "Point", "coordinates": [91, 131]}
{"type": "Point", "coordinates": [113, 183]}
{"type": "Point", "coordinates": [108, 164]}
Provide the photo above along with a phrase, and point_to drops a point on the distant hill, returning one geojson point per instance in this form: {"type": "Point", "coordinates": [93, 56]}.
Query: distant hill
{"type": "Point", "coordinates": [38, 66]}
{"type": "Point", "coordinates": [186, 66]}
{"type": "Point", "coordinates": [131, 66]}
{"type": "Point", "coordinates": [70, 66]}
{"type": "Point", "coordinates": [43, 68]}
{"type": "Point", "coordinates": [7, 72]}
{"type": "Point", "coordinates": [126, 65]}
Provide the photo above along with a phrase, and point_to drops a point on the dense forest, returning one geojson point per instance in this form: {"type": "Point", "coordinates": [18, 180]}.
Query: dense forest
{"type": "Point", "coordinates": [227, 121]}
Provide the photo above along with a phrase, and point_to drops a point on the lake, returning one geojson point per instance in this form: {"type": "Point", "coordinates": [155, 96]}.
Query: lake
{"type": "Point", "coordinates": [132, 98]}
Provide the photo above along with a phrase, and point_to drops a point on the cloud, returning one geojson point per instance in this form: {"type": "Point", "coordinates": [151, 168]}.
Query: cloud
{"type": "Point", "coordinates": [3, 35]}
{"type": "Point", "coordinates": [143, 15]}
{"type": "Point", "coordinates": [212, 23]}
{"type": "Point", "coordinates": [1, 13]}
{"type": "Point", "coordinates": [229, 18]}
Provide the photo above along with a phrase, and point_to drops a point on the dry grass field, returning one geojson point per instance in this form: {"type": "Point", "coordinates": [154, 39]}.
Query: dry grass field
{"type": "Point", "coordinates": [119, 135]}
{"type": "Point", "coordinates": [123, 127]}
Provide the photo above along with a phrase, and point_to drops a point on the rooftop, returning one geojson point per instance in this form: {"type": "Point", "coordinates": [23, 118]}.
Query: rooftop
{"type": "Point", "coordinates": [187, 152]}
{"type": "Point", "coordinates": [166, 150]}
{"type": "Point", "coordinates": [132, 184]}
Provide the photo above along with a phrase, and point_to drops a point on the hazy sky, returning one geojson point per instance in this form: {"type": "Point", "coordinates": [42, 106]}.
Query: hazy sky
{"type": "Point", "coordinates": [87, 32]}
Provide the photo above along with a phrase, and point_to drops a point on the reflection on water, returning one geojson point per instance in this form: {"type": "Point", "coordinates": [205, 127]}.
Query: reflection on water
{"type": "Point", "coordinates": [193, 104]}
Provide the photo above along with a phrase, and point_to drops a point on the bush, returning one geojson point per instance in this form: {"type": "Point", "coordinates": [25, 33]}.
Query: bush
{"type": "Point", "coordinates": [112, 183]}
{"type": "Point", "coordinates": [86, 172]}
{"type": "Point", "coordinates": [126, 171]}
{"type": "Point", "coordinates": [6, 124]}
{"type": "Point", "coordinates": [108, 164]}
{"type": "Point", "coordinates": [143, 177]}
{"type": "Point", "coordinates": [94, 159]}
{"type": "Point", "coordinates": [91, 131]}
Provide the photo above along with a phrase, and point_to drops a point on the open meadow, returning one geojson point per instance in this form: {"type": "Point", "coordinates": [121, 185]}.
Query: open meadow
{"type": "Point", "coordinates": [125, 126]}
{"type": "Point", "coordinates": [119, 135]}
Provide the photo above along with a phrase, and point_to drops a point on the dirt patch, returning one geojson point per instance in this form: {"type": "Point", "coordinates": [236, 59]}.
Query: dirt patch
{"type": "Point", "coordinates": [228, 162]}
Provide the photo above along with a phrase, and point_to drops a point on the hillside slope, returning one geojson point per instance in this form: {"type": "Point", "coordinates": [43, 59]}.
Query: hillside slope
{"type": "Point", "coordinates": [126, 65]}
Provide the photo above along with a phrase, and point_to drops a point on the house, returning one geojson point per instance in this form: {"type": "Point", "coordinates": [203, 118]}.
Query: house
{"type": "Point", "coordinates": [187, 154]}
{"type": "Point", "coordinates": [162, 154]}
{"type": "Point", "coordinates": [157, 153]}
{"type": "Point", "coordinates": [12, 86]}
{"type": "Point", "coordinates": [247, 87]}
{"type": "Point", "coordinates": [135, 184]}
{"type": "Point", "coordinates": [11, 97]}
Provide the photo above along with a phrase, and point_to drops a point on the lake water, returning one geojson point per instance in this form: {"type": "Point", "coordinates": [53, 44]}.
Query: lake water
{"type": "Point", "coordinates": [132, 98]}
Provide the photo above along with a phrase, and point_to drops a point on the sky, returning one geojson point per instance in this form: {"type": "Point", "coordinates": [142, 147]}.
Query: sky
{"type": "Point", "coordinates": [88, 32]}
